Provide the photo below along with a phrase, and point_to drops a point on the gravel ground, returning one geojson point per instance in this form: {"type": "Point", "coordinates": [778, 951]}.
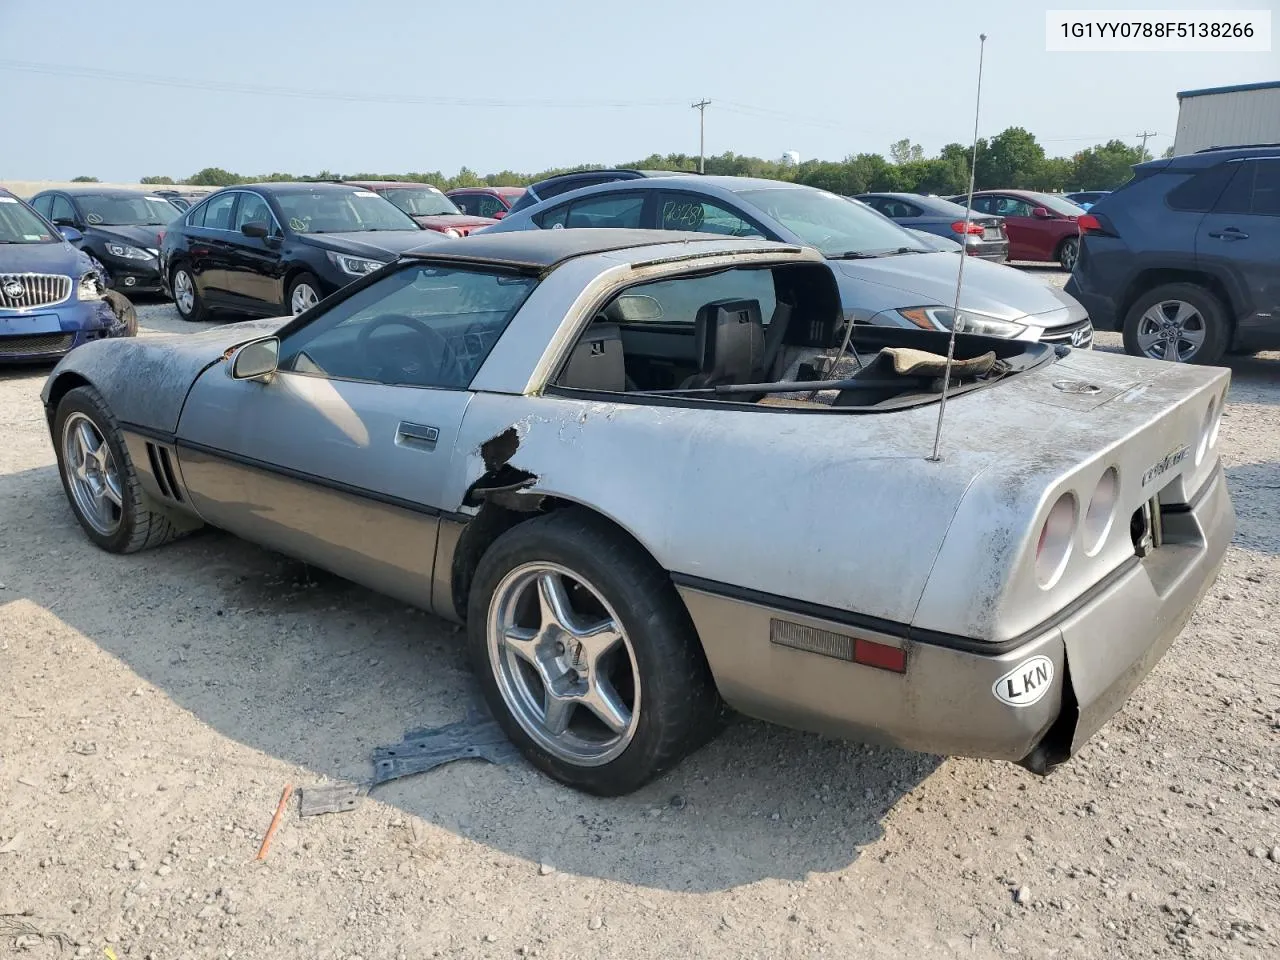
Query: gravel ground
{"type": "Point", "coordinates": [154, 707]}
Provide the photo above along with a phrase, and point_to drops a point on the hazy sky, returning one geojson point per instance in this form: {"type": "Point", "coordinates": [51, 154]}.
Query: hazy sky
{"type": "Point", "coordinates": [562, 82]}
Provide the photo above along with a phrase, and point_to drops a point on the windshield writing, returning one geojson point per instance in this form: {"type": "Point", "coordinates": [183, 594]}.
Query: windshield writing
{"type": "Point", "coordinates": [335, 212]}
{"type": "Point", "coordinates": [105, 211]}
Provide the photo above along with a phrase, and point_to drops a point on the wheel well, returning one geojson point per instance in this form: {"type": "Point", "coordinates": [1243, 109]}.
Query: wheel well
{"type": "Point", "coordinates": [65, 383]}
{"type": "Point", "coordinates": [495, 519]}
{"type": "Point", "coordinates": [1148, 280]}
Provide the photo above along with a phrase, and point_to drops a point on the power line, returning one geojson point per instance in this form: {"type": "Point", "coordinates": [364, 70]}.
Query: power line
{"type": "Point", "coordinates": [221, 86]}
{"type": "Point", "coordinates": [1145, 135]}
{"type": "Point", "coordinates": [701, 107]}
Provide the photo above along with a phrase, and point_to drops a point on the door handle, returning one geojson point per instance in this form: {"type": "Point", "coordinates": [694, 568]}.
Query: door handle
{"type": "Point", "coordinates": [416, 436]}
{"type": "Point", "coordinates": [1229, 233]}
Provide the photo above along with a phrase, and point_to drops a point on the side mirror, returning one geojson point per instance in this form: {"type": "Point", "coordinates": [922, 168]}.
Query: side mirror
{"type": "Point", "coordinates": [63, 222]}
{"type": "Point", "coordinates": [499, 214]}
{"type": "Point", "coordinates": [1041, 213]}
{"type": "Point", "coordinates": [256, 360]}
{"type": "Point", "coordinates": [255, 228]}
{"type": "Point", "coordinates": [71, 235]}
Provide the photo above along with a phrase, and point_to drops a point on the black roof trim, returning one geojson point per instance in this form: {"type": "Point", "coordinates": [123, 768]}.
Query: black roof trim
{"type": "Point", "coordinates": [1236, 88]}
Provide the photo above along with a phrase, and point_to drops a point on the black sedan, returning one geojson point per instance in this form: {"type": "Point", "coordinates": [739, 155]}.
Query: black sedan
{"type": "Point", "coordinates": [121, 228]}
{"type": "Point", "coordinates": [267, 249]}
{"type": "Point", "coordinates": [984, 236]}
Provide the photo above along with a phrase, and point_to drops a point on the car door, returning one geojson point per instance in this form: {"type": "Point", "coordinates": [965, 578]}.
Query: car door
{"type": "Point", "coordinates": [43, 205]}
{"type": "Point", "coordinates": [341, 458]}
{"type": "Point", "coordinates": [1241, 236]}
{"type": "Point", "coordinates": [684, 210]}
{"type": "Point", "coordinates": [63, 212]}
{"type": "Point", "coordinates": [254, 266]}
{"type": "Point", "coordinates": [1027, 235]}
{"type": "Point", "coordinates": [207, 229]}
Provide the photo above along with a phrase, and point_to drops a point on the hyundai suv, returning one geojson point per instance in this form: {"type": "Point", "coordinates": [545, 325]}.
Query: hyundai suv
{"type": "Point", "coordinates": [1182, 258]}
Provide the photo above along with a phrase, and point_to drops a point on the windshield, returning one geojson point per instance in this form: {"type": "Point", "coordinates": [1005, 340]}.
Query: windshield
{"type": "Point", "coordinates": [20, 225]}
{"type": "Point", "coordinates": [102, 210]}
{"type": "Point", "coordinates": [333, 211]}
{"type": "Point", "coordinates": [1059, 205]}
{"type": "Point", "coordinates": [832, 224]}
{"type": "Point", "coordinates": [421, 201]}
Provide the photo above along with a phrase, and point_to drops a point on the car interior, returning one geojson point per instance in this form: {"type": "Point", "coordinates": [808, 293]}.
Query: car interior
{"type": "Point", "coordinates": [770, 337]}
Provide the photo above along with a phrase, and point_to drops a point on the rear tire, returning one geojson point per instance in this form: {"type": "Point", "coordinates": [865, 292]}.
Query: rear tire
{"type": "Point", "coordinates": [1069, 253]}
{"type": "Point", "coordinates": [1184, 314]}
{"type": "Point", "coordinates": [124, 522]}
{"type": "Point", "coordinates": [124, 310]}
{"type": "Point", "coordinates": [185, 295]}
{"type": "Point", "coordinates": [656, 671]}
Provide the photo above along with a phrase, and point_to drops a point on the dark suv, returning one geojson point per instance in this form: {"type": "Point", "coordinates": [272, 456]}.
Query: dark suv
{"type": "Point", "coordinates": [564, 182]}
{"type": "Point", "coordinates": [1183, 257]}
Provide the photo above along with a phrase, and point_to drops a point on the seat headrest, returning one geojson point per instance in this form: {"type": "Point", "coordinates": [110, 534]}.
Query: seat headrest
{"type": "Point", "coordinates": [729, 340]}
{"type": "Point", "coordinates": [597, 362]}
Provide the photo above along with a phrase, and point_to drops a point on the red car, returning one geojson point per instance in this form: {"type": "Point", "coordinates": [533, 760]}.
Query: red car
{"type": "Point", "coordinates": [1040, 225]}
{"type": "Point", "coordinates": [485, 201]}
{"type": "Point", "coordinates": [426, 204]}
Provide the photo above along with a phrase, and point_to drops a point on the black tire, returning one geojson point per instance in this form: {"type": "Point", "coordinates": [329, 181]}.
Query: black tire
{"type": "Point", "coordinates": [1217, 327]}
{"type": "Point", "coordinates": [139, 526]}
{"type": "Point", "coordinates": [198, 311]}
{"type": "Point", "coordinates": [124, 310]}
{"type": "Point", "coordinates": [1069, 253]}
{"type": "Point", "coordinates": [681, 708]}
{"type": "Point", "coordinates": [294, 284]}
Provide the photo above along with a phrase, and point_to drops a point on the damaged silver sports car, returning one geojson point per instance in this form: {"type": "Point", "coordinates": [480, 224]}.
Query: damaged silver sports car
{"type": "Point", "coordinates": [657, 475]}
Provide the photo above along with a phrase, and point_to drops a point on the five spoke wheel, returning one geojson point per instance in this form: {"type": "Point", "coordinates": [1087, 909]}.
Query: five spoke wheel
{"type": "Point", "coordinates": [564, 664]}
{"type": "Point", "coordinates": [92, 474]}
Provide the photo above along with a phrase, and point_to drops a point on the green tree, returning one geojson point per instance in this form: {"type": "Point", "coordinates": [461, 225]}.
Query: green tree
{"type": "Point", "coordinates": [1104, 167]}
{"type": "Point", "coordinates": [1011, 159]}
{"type": "Point", "coordinates": [904, 151]}
{"type": "Point", "coordinates": [157, 180]}
{"type": "Point", "coordinates": [85, 180]}
{"type": "Point", "coordinates": [1168, 153]}
{"type": "Point", "coordinates": [214, 177]}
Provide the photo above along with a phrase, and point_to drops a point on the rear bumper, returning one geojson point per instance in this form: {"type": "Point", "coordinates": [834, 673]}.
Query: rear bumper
{"type": "Point", "coordinates": [946, 702]}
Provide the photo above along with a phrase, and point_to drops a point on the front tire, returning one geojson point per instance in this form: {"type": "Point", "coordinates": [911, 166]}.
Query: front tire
{"type": "Point", "coordinates": [1069, 253]}
{"type": "Point", "coordinates": [98, 477]}
{"type": "Point", "coordinates": [304, 293]}
{"type": "Point", "coordinates": [185, 295]}
{"type": "Point", "coordinates": [1180, 322]}
{"type": "Point", "coordinates": [586, 655]}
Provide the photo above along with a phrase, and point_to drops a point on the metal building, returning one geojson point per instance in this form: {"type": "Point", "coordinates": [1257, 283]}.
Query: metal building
{"type": "Point", "coordinates": [1228, 116]}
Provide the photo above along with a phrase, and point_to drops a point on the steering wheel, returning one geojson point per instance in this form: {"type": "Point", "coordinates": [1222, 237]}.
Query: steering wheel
{"type": "Point", "coordinates": [434, 354]}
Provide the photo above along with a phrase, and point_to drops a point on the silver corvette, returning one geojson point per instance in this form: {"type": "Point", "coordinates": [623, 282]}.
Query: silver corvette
{"type": "Point", "coordinates": [655, 474]}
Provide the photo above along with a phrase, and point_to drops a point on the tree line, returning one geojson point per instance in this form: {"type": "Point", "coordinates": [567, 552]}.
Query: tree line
{"type": "Point", "coordinates": [1012, 159]}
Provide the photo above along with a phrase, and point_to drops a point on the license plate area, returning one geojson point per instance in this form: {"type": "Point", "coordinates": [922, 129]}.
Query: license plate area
{"type": "Point", "coordinates": [1146, 528]}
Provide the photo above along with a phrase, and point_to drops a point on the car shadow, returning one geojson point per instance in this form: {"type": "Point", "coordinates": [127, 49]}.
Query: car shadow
{"type": "Point", "coordinates": [317, 671]}
{"type": "Point", "coordinates": [1255, 492]}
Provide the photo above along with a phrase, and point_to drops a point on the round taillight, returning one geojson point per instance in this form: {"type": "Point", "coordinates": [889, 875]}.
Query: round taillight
{"type": "Point", "coordinates": [1054, 546]}
{"type": "Point", "coordinates": [1101, 512]}
{"type": "Point", "coordinates": [1208, 431]}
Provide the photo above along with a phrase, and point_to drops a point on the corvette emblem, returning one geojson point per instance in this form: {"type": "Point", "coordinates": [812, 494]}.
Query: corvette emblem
{"type": "Point", "coordinates": [13, 289]}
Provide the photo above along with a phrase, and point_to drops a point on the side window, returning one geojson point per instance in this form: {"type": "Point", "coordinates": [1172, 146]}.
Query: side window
{"type": "Point", "coordinates": [875, 203]}
{"type": "Point", "coordinates": [610, 210]}
{"type": "Point", "coordinates": [678, 301]}
{"type": "Point", "coordinates": [980, 204]}
{"type": "Point", "coordinates": [253, 209]}
{"type": "Point", "coordinates": [487, 206]}
{"type": "Point", "coordinates": [1199, 193]}
{"type": "Point", "coordinates": [421, 326]}
{"type": "Point", "coordinates": [466, 202]}
{"type": "Point", "coordinates": [217, 212]}
{"type": "Point", "coordinates": [62, 209]}
{"type": "Point", "coordinates": [684, 211]}
{"type": "Point", "coordinates": [43, 206]}
{"type": "Point", "coordinates": [553, 218]}
{"type": "Point", "coordinates": [1012, 207]}
{"type": "Point", "coordinates": [1255, 189]}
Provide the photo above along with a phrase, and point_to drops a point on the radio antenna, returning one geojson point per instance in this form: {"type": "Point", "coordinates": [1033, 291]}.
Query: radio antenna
{"type": "Point", "coordinates": [968, 212]}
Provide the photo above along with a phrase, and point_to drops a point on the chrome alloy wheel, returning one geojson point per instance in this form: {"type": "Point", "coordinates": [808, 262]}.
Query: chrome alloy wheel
{"type": "Point", "coordinates": [184, 293]}
{"type": "Point", "coordinates": [92, 475]}
{"type": "Point", "coordinates": [1171, 330]}
{"type": "Point", "coordinates": [304, 298]}
{"type": "Point", "coordinates": [563, 664]}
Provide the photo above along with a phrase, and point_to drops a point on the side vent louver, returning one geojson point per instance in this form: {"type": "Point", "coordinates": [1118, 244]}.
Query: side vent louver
{"type": "Point", "coordinates": [162, 470]}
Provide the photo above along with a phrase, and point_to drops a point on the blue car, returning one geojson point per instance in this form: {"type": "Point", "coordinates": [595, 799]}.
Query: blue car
{"type": "Point", "coordinates": [52, 295]}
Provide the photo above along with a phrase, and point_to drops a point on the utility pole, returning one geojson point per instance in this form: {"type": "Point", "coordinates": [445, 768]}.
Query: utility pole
{"type": "Point", "coordinates": [701, 107]}
{"type": "Point", "coordinates": [1145, 135]}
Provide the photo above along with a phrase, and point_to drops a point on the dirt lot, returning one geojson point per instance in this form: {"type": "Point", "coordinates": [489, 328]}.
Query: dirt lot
{"type": "Point", "coordinates": [154, 706]}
